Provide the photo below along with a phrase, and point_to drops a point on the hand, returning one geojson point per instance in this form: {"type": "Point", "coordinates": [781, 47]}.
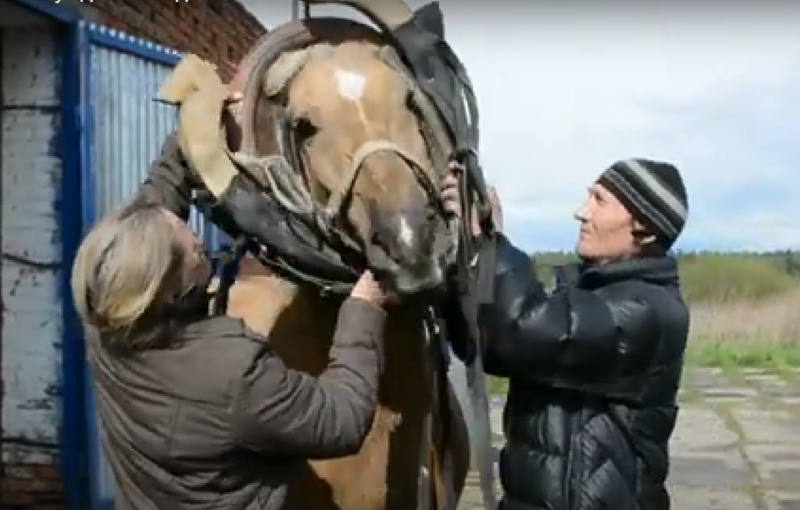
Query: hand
{"type": "Point", "coordinates": [369, 289]}
{"type": "Point", "coordinates": [497, 209]}
{"type": "Point", "coordinates": [452, 201]}
{"type": "Point", "coordinates": [451, 197]}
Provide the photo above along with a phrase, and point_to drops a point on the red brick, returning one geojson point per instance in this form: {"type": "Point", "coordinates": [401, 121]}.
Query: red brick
{"type": "Point", "coordinates": [186, 26]}
{"type": "Point", "coordinates": [46, 471]}
{"type": "Point", "coordinates": [16, 499]}
{"type": "Point", "coordinates": [17, 472]}
{"type": "Point", "coordinates": [31, 486]}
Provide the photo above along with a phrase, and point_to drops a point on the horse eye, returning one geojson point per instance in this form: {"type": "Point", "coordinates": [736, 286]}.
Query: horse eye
{"type": "Point", "coordinates": [304, 128]}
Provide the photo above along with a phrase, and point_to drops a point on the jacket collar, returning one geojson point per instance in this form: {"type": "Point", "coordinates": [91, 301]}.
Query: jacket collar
{"type": "Point", "coordinates": [662, 271]}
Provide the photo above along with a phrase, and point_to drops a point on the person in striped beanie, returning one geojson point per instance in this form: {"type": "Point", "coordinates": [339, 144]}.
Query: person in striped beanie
{"type": "Point", "coordinates": [594, 365]}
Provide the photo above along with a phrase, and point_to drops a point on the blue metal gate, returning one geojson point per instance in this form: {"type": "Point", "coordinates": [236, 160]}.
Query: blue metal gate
{"type": "Point", "coordinates": [123, 129]}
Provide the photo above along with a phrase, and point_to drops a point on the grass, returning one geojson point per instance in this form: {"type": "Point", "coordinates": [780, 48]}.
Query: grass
{"type": "Point", "coordinates": [779, 357]}
{"type": "Point", "coordinates": [759, 334]}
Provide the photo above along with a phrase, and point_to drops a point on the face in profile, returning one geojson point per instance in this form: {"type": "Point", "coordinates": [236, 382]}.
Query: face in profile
{"type": "Point", "coordinates": [606, 227]}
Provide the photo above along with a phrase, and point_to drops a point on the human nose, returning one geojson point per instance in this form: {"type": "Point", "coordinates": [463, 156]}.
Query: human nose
{"type": "Point", "coordinates": [582, 213]}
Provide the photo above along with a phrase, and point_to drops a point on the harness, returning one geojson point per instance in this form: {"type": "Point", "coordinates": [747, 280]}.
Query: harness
{"type": "Point", "coordinates": [444, 79]}
{"type": "Point", "coordinates": [270, 212]}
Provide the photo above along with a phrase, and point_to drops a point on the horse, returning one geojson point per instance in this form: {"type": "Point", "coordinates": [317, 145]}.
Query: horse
{"type": "Point", "coordinates": [362, 138]}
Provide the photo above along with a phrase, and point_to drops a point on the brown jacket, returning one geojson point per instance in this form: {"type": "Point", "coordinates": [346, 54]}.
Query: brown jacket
{"type": "Point", "coordinates": [216, 420]}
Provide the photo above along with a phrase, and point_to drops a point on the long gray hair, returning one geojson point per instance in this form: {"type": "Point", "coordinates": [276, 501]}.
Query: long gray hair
{"type": "Point", "coordinates": [125, 272]}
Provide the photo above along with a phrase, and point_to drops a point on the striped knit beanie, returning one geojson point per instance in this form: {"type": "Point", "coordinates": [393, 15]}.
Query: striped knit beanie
{"type": "Point", "coordinates": [654, 194]}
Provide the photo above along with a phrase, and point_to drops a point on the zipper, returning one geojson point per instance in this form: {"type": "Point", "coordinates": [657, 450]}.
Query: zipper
{"type": "Point", "coordinates": [569, 481]}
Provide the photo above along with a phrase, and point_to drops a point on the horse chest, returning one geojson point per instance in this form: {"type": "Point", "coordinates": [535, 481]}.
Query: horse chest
{"type": "Point", "coordinates": [383, 475]}
{"type": "Point", "coordinates": [387, 466]}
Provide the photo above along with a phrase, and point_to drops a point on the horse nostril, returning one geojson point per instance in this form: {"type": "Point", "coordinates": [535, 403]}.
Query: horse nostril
{"type": "Point", "coordinates": [401, 237]}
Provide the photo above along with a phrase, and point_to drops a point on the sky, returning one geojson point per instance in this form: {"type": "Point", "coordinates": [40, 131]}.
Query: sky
{"type": "Point", "coordinates": [566, 88]}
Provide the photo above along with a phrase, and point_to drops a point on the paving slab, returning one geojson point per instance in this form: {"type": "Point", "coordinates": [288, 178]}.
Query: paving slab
{"type": "Point", "coordinates": [777, 465]}
{"type": "Point", "coordinates": [692, 498]}
{"type": "Point", "coordinates": [782, 501]}
{"type": "Point", "coordinates": [722, 469]}
{"type": "Point", "coordinates": [713, 384]}
{"type": "Point", "coordinates": [702, 428]}
{"type": "Point", "coordinates": [763, 423]}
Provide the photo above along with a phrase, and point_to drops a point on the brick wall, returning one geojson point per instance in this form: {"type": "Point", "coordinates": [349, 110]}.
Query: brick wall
{"type": "Point", "coordinates": [32, 481]}
{"type": "Point", "coordinates": [221, 31]}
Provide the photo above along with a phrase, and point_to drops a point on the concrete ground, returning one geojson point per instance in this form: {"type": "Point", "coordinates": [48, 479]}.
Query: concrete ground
{"type": "Point", "coordinates": [736, 446]}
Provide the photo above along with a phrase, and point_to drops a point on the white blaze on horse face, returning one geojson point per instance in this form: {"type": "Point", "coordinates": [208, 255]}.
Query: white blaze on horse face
{"type": "Point", "coordinates": [350, 84]}
{"type": "Point", "coordinates": [406, 233]}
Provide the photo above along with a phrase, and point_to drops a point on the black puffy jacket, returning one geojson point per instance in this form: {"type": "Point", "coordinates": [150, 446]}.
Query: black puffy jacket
{"type": "Point", "coordinates": [594, 371]}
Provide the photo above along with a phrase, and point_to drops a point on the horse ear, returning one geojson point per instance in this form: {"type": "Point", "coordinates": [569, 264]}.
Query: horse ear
{"type": "Point", "coordinates": [278, 76]}
{"type": "Point", "coordinates": [283, 70]}
{"type": "Point", "coordinates": [430, 17]}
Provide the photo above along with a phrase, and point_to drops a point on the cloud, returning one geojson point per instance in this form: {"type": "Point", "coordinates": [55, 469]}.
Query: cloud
{"type": "Point", "coordinates": [567, 89]}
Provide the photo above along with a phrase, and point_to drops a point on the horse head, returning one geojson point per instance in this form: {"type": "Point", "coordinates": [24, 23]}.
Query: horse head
{"type": "Point", "coordinates": [333, 96]}
{"type": "Point", "coordinates": [358, 142]}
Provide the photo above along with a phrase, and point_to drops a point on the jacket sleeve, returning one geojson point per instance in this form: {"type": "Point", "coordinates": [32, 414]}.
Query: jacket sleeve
{"type": "Point", "coordinates": [570, 333]}
{"type": "Point", "coordinates": [284, 412]}
{"type": "Point", "coordinates": [169, 181]}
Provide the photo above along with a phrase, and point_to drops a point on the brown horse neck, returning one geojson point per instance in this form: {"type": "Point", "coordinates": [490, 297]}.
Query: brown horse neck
{"type": "Point", "coordinates": [405, 345]}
